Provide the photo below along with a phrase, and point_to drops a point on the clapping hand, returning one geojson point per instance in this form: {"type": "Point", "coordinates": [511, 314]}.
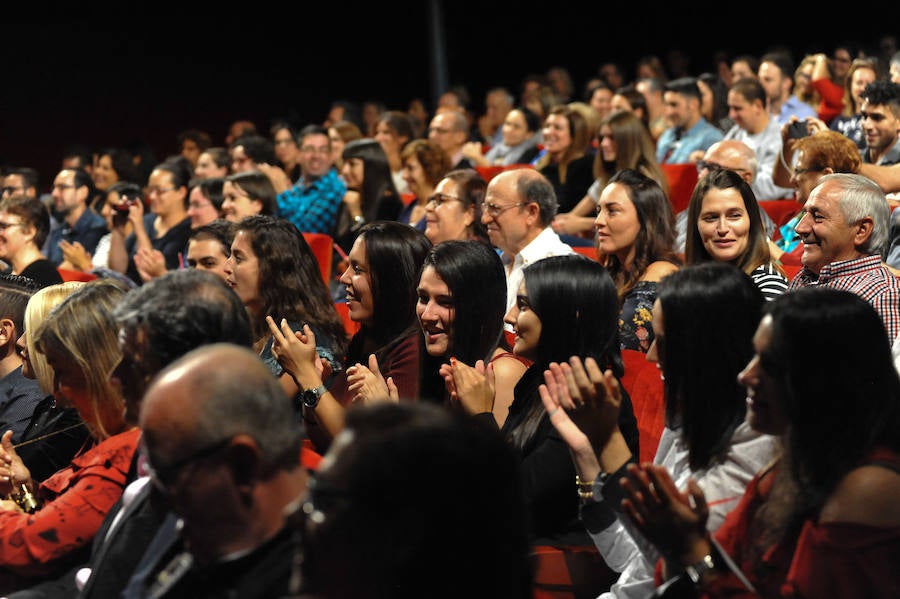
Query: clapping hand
{"type": "Point", "coordinates": [672, 520]}
{"type": "Point", "coordinates": [368, 385]}
{"type": "Point", "coordinates": [470, 387]}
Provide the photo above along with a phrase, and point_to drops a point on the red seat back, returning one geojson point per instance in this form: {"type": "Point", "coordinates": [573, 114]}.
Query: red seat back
{"type": "Point", "coordinates": [569, 572]}
{"type": "Point", "coordinates": [644, 384]}
{"type": "Point", "coordinates": [586, 250]}
{"type": "Point", "coordinates": [75, 275]}
{"type": "Point", "coordinates": [681, 178]}
{"type": "Point", "coordinates": [322, 247]}
{"type": "Point", "coordinates": [351, 326]}
{"type": "Point", "coordinates": [780, 211]}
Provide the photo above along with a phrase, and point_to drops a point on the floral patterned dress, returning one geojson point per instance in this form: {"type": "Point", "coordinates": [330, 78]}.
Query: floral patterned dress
{"type": "Point", "coordinates": [635, 326]}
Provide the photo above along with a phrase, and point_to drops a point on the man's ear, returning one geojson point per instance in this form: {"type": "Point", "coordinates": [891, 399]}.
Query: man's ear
{"type": "Point", "coordinates": [245, 460]}
{"type": "Point", "coordinates": [863, 230]}
{"type": "Point", "coordinates": [8, 332]}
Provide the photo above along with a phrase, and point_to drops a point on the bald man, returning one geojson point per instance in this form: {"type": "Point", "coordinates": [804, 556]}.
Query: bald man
{"type": "Point", "coordinates": [223, 448]}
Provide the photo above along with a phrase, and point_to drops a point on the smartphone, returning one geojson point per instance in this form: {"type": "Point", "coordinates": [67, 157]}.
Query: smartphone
{"type": "Point", "coordinates": [798, 129]}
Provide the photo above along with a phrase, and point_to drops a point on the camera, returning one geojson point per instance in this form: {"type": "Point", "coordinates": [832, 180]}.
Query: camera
{"type": "Point", "coordinates": [798, 129]}
{"type": "Point", "coordinates": [125, 204]}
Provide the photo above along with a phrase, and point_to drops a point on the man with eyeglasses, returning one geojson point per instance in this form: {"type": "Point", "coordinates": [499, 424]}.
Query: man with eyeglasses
{"type": "Point", "coordinates": [312, 203]}
{"type": "Point", "coordinates": [730, 155]}
{"type": "Point", "coordinates": [20, 180]}
{"type": "Point", "coordinates": [450, 130]}
{"type": "Point", "coordinates": [72, 190]}
{"type": "Point", "coordinates": [223, 447]}
{"type": "Point", "coordinates": [519, 205]}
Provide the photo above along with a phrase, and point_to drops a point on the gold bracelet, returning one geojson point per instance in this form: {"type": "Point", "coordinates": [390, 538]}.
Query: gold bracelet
{"type": "Point", "coordinates": [585, 488]}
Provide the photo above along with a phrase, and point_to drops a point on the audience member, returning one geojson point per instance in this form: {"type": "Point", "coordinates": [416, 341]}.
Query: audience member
{"type": "Point", "coordinates": [599, 96]}
{"type": "Point", "coordinates": [247, 193]}
{"type": "Point", "coordinates": [635, 235]}
{"type": "Point", "coordinates": [706, 437]}
{"type": "Point", "coordinates": [192, 143]}
{"type": "Point", "coordinates": [371, 195]}
{"type": "Point", "coordinates": [714, 101]}
{"type": "Point", "coordinates": [880, 112]}
{"type": "Point", "coordinates": [744, 65]}
{"type": "Point", "coordinates": [564, 304]}
{"type": "Point", "coordinates": [380, 283]}
{"type": "Point", "coordinates": [78, 339]}
{"type": "Point", "coordinates": [735, 156]}
{"type": "Point", "coordinates": [480, 552]}
{"type": "Point", "coordinates": [371, 113]}
{"type": "Point", "coordinates": [19, 395]}
{"type": "Point", "coordinates": [863, 71]}
{"type": "Point", "coordinates": [519, 206]}
{"type": "Point", "coordinates": [80, 223]}
{"type": "Point", "coordinates": [312, 203]}
{"type": "Point", "coordinates": [236, 424]}
{"type": "Point", "coordinates": [450, 130]}
{"type": "Point", "coordinates": [274, 272]}
{"type": "Point", "coordinates": [249, 151]}
{"type": "Point", "coordinates": [20, 180]}
{"type": "Point", "coordinates": [393, 131]}
{"type": "Point", "coordinates": [844, 231]}
{"type": "Point", "coordinates": [821, 81]}
{"type": "Point", "coordinates": [112, 165]}
{"type": "Point", "coordinates": [209, 246]}
{"type": "Point", "coordinates": [205, 200]}
{"type": "Point", "coordinates": [214, 162]}
{"type": "Point", "coordinates": [462, 301]}
{"type": "Point", "coordinates": [165, 229]}
{"type": "Point", "coordinates": [287, 149]}
{"type": "Point", "coordinates": [498, 101]}
{"type": "Point", "coordinates": [652, 90]}
{"type": "Point", "coordinates": [776, 75]}
{"type": "Point", "coordinates": [55, 431]}
{"type": "Point", "coordinates": [341, 133]}
{"type": "Point", "coordinates": [424, 165]}
{"type": "Point", "coordinates": [454, 210]}
{"type": "Point", "coordinates": [725, 227]}
{"type": "Point", "coordinates": [239, 128]}
{"type": "Point", "coordinates": [565, 160]}
{"type": "Point", "coordinates": [519, 135]}
{"type": "Point", "coordinates": [623, 143]}
{"type": "Point", "coordinates": [755, 127]}
{"type": "Point", "coordinates": [790, 534]}
{"type": "Point", "coordinates": [24, 225]}
{"type": "Point", "coordinates": [689, 133]}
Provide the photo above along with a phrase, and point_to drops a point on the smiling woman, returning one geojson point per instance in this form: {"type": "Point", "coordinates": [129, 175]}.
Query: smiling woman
{"type": "Point", "coordinates": [24, 226]}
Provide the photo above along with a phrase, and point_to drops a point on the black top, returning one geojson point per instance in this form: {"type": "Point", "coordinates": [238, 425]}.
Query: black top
{"type": "Point", "coordinates": [579, 177]}
{"type": "Point", "coordinates": [43, 272]}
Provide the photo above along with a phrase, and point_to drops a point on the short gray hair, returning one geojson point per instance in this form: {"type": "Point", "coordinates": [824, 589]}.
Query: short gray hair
{"type": "Point", "coordinates": [861, 197]}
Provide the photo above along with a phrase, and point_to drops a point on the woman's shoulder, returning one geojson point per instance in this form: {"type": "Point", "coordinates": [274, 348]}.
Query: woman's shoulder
{"type": "Point", "coordinates": [656, 271]}
{"type": "Point", "coordinates": [867, 495]}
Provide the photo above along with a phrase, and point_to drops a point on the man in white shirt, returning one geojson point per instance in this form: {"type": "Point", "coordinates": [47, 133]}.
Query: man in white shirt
{"type": "Point", "coordinates": [519, 206]}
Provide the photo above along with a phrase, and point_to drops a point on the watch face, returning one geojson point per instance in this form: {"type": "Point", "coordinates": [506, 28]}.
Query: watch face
{"type": "Point", "coordinates": [310, 397]}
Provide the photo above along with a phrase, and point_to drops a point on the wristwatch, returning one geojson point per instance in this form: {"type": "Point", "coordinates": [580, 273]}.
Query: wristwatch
{"type": "Point", "coordinates": [696, 571]}
{"type": "Point", "coordinates": [310, 397]}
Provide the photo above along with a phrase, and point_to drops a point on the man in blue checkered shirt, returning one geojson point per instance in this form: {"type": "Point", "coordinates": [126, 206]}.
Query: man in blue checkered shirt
{"type": "Point", "coordinates": [312, 203]}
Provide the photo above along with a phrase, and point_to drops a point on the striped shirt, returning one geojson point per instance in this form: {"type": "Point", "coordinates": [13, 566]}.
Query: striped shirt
{"type": "Point", "coordinates": [868, 278]}
{"type": "Point", "coordinates": [771, 282]}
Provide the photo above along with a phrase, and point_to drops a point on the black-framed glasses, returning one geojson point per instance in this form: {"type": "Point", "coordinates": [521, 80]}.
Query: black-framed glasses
{"type": "Point", "coordinates": [5, 226]}
{"type": "Point", "coordinates": [164, 478]}
{"type": "Point", "coordinates": [496, 210]}
{"type": "Point", "coordinates": [439, 199]}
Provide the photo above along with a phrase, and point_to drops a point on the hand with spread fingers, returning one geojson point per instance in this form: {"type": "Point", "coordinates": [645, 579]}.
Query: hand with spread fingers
{"type": "Point", "coordinates": [296, 352]}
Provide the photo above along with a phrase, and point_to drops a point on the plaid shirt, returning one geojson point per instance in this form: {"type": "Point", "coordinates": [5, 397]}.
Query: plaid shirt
{"type": "Point", "coordinates": [867, 278]}
{"type": "Point", "coordinates": [313, 208]}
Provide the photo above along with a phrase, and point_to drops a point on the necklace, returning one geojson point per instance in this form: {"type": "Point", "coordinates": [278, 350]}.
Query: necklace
{"type": "Point", "coordinates": [48, 435]}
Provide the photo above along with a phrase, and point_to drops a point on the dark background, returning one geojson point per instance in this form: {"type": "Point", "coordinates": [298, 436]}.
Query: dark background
{"type": "Point", "coordinates": [110, 76]}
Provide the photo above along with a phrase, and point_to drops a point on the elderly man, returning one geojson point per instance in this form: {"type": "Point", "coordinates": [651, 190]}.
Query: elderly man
{"type": "Point", "coordinates": [844, 231]}
{"type": "Point", "coordinates": [233, 431]}
{"type": "Point", "coordinates": [519, 206]}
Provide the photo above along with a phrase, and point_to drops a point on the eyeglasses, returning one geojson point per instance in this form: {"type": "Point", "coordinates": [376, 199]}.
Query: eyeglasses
{"type": "Point", "coordinates": [159, 190]}
{"type": "Point", "coordinates": [439, 130]}
{"type": "Point", "coordinates": [712, 166]}
{"type": "Point", "coordinates": [164, 478]}
{"type": "Point", "coordinates": [199, 205]}
{"type": "Point", "coordinates": [5, 226]}
{"type": "Point", "coordinates": [494, 210]}
{"type": "Point", "coordinates": [439, 199]}
{"type": "Point", "coordinates": [10, 190]}
{"type": "Point", "coordinates": [812, 169]}
{"type": "Point", "coordinates": [315, 150]}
